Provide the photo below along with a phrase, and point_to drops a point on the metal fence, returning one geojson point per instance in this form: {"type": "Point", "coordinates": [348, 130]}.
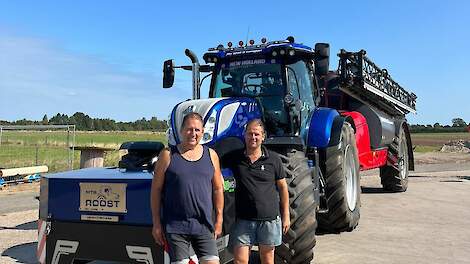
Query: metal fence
{"type": "Point", "coordinates": [50, 145]}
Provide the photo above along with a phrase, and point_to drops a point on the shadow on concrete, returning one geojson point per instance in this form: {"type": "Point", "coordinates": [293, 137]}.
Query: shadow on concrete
{"type": "Point", "coordinates": [450, 181]}
{"type": "Point", "coordinates": [374, 190]}
{"type": "Point", "coordinates": [321, 232]}
{"type": "Point", "coordinates": [24, 253]}
{"type": "Point", "coordinates": [33, 225]}
{"type": "Point", "coordinates": [418, 176]}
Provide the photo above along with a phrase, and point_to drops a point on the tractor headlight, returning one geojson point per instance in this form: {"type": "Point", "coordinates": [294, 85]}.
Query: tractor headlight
{"type": "Point", "coordinates": [209, 128]}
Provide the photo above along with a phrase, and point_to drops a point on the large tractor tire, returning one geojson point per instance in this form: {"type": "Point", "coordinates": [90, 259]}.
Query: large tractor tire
{"type": "Point", "coordinates": [297, 245]}
{"type": "Point", "coordinates": [340, 167]}
{"type": "Point", "coordinates": [395, 179]}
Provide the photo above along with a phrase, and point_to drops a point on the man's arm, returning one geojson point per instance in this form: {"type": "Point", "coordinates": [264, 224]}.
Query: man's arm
{"type": "Point", "coordinates": [284, 200]}
{"type": "Point", "coordinates": [217, 194]}
{"type": "Point", "coordinates": [156, 194]}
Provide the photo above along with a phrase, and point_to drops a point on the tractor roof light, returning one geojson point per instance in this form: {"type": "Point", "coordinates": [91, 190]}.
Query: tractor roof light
{"type": "Point", "coordinates": [252, 42]}
{"type": "Point", "coordinates": [240, 43]}
{"type": "Point", "coordinates": [229, 44]}
{"type": "Point", "coordinates": [263, 40]}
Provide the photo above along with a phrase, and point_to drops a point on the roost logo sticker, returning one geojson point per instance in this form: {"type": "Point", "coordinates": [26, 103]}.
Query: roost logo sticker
{"type": "Point", "coordinates": [103, 197]}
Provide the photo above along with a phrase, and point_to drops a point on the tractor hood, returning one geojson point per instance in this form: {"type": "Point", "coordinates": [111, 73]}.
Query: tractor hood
{"type": "Point", "coordinates": [223, 117]}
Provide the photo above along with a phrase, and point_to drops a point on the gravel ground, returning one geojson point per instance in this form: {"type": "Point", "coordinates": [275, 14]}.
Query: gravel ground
{"type": "Point", "coordinates": [427, 224]}
{"type": "Point", "coordinates": [18, 236]}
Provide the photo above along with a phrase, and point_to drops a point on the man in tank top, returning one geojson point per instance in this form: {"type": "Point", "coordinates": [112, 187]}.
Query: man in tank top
{"type": "Point", "coordinates": [187, 187]}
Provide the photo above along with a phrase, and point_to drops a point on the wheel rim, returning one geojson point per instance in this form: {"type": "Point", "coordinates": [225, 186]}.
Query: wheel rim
{"type": "Point", "coordinates": [351, 179]}
{"type": "Point", "coordinates": [403, 160]}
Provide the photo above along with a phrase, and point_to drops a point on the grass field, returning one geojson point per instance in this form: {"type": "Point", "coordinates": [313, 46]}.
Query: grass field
{"type": "Point", "coordinates": [426, 142]}
{"type": "Point", "coordinates": [29, 148]}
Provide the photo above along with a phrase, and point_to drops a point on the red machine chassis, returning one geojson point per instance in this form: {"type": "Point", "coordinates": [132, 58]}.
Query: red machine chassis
{"type": "Point", "coordinates": [368, 158]}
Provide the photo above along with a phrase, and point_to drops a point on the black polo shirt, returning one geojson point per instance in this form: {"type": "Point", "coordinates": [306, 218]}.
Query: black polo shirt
{"type": "Point", "coordinates": [256, 194]}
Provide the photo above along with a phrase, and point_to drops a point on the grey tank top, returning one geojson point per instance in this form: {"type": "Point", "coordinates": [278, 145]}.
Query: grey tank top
{"type": "Point", "coordinates": [187, 194]}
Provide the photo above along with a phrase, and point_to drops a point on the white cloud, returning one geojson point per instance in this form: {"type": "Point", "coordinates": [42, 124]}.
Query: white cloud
{"type": "Point", "coordinates": [39, 77]}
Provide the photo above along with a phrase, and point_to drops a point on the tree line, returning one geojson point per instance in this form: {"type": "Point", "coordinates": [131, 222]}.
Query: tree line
{"type": "Point", "coordinates": [458, 125]}
{"type": "Point", "coordinates": [86, 123]}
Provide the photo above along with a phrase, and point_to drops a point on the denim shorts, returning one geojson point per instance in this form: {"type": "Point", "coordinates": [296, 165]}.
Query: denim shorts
{"type": "Point", "coordinates": [256, 232]}
{"type": "Point", "coordinates": [182, 247]}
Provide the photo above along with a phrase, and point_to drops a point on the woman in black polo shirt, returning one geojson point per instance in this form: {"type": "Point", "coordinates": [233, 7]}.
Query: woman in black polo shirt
{"type": "Point", "coordinates": [258, 172]}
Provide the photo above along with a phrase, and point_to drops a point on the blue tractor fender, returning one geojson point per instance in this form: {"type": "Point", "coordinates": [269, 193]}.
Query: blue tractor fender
{"type": "Point", "coordinates": [324, 128]}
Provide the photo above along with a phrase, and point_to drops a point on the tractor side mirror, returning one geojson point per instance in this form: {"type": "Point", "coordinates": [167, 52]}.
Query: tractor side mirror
{"type": "Point", "coordinates": [322, 58]}
{"type": "Point", "coordinates": [168, 74]}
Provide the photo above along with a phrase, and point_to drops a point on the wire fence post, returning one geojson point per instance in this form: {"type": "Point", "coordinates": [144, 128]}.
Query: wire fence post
{"type": "Point", "coordinates": [52, 146]}
{"type": "Point", "coordinates": [69, 162]}
{"type": "Point", "coordinates": [37, 154]}
{"type": "Point", "coordinates": [73, 146]}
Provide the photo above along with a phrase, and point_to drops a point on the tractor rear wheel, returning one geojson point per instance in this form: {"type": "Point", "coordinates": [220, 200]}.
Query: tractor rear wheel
{"type": "Point", "coordinates": [395, 179]}
{"type": "Point", "coordinates": [297, 245]}
{"type": "Point", "coordinates": [340, 167]}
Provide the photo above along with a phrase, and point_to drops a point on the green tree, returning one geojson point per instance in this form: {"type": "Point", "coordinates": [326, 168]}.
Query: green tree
{"type": "Point", "coordinates": [458, 122]}
{"type": "Point", "coordinates": [45, 120]}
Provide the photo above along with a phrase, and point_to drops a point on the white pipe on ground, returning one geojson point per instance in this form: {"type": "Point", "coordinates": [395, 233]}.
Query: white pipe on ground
{"type": "Point", "coordinates": [23, 171]}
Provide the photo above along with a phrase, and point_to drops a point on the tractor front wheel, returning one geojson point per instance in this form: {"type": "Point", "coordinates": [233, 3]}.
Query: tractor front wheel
{"type": "Point", "coordinates": [297, 245]}
{"type": "Point", "coordinates": [340, 167]}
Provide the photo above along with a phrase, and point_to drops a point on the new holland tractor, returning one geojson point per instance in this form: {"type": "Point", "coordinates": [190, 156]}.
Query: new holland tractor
{"type": "Point", "coordinates": [326, 126]}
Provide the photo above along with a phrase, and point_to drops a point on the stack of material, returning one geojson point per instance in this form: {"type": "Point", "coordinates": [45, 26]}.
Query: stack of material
{"type": "Point", "coordinates": [459, 146]}
{"type": "Point", "coordinates": [23, 174]}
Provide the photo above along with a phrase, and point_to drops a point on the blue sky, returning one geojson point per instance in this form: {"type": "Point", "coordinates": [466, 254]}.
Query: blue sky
{"type": "Point", "coordinates": [104, 58]}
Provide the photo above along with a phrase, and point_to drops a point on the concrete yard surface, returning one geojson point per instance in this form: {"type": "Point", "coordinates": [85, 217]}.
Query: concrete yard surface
{"type": "Point", "coordinates": [430, 223]}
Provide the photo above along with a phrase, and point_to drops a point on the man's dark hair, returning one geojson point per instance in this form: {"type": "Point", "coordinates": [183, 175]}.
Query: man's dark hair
{"type": "Point", "coordinates": [192, 115]}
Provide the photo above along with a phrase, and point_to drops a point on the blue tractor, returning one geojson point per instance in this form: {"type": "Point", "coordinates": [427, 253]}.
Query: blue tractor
{"type": "Point", "coordinates": [325, 125]}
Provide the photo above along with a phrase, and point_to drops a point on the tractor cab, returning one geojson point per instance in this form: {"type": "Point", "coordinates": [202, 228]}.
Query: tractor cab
{"type": "Point", "coordinates": [279, 75]}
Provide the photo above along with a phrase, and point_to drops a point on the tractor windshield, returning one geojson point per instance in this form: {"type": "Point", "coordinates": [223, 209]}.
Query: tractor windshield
{"type": "Point", "coordinates": [236, 79]}
{"type": "Point", "coordinates": [269, 84]}
{"type": "Point", "coordinates": [265, 82]}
